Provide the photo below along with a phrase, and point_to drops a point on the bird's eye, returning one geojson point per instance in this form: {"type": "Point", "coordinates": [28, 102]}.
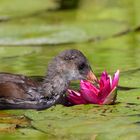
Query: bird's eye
{"type": "Point", "coordinates": [82, 66]}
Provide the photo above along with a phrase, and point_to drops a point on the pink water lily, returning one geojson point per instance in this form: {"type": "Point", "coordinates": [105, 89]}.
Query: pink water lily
{"type": "Point", "coordinates": [104, 93]}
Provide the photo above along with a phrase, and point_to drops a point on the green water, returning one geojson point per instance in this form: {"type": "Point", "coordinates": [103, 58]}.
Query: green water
{"type": "Point", "coordinates": [30, 36]}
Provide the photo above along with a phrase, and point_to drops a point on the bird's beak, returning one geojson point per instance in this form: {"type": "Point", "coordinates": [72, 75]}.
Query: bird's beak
{"type": "Point", "coordinates": [91, 77]}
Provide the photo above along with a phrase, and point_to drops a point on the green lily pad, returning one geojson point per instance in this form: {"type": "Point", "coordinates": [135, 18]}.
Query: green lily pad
{"type": "Point", "coordinates": [10, 9]}
{"type": "Point", "coordinates": [71, 26]}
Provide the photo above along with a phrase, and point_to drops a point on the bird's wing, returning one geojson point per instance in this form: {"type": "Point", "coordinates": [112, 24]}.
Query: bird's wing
{"type": "Point", "coordinates": [18, 88]}
{"type": "Point", "coordinates": [20, 92]}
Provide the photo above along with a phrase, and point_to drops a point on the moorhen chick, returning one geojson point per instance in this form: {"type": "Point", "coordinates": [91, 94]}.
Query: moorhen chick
{"type": "Point", "coordinates": [21, 92]}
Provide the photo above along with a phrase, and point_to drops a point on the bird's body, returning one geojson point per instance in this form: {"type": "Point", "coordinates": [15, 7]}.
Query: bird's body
{"type": "Point", "coordinates": [21, 92]}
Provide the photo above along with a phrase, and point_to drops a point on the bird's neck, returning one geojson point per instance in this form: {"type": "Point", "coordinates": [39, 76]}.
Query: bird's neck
{"type": "Point", "coordinates": [55, 85]}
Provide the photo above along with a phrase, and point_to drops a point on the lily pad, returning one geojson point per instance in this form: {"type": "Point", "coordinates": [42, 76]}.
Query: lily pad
{"type": "Point", "coordinates": [63, 27]}
{"type": "Point", "coordinates": [10, 9]}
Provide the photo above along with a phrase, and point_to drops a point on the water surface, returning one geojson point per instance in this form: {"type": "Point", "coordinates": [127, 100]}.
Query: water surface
{"type": "Point", "coordinates": [31, 37]}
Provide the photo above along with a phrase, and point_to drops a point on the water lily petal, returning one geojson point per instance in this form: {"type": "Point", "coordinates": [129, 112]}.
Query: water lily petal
{"type": "Point", "coordinates": [89, 91]}
{"type": "Point", "coordinates": [89, 96]}
{"type": "Point", "coordinates": [110, 79]}
{"type": "Point", "coordinates": [105, 91]}
{"type": "Point", "coordinates": [111, 98]}
{"type": "Point", "coordinates": [88, 87]}
{"type": "Point", "coordinates": [75, 97]}
{"type": "Point", "coordinates": [115, 79]}
{"type": "Point", "coordinates": [103, 79]}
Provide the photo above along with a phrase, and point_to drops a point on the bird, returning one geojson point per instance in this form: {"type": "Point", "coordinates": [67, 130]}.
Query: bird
{"type": "Point", "coordinates": [22, 92]}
